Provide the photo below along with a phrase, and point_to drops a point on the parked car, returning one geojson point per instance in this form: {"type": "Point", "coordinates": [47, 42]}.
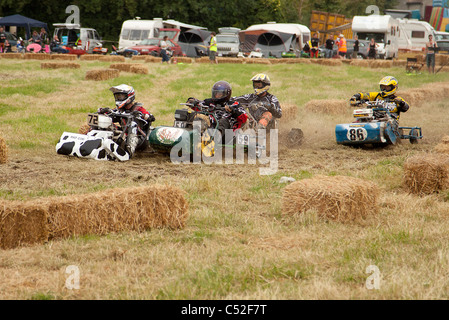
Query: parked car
{"type": "Point", "coordinates": [151, 47]}
{"type": "Point", "coordinates": [443, 46]}
{"type": "Point", "coordinates": [12, 39]}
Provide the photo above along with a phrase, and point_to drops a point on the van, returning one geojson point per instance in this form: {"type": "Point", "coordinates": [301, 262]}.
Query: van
{"type": "Point", "coordinates": [383, 28]}
{"type": "Point", "coordinates": [228, 43]}
{"type": "Point", "coordinates": [136, 30]}
{"type": "Point", "coordinates": [414, 34]}
{"type": "Point", "coordinates": [69, 34]}
{"type": "Point", "coordinates": [441, 35]}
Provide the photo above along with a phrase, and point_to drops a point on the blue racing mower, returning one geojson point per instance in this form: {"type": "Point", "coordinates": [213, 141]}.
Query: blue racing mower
{"type": "Point", "coordinates": [375, 125]}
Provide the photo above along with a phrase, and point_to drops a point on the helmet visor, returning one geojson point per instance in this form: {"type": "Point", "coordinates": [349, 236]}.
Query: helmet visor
{"type": "Point", "coordinates": [385, 88]}
{"type": "Point", "coordinates": [258, 84]}
{"type": "Point", "coordinates": [120, 96]}
{"type": "Point", "coordinates": [218, 94]}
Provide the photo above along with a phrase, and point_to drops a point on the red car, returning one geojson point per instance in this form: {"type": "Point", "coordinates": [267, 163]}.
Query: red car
{"type": "Point", "coordinates": [151, 47]}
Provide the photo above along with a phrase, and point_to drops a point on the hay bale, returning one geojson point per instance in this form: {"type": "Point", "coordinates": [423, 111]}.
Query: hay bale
{"type": "Point", "coordinates": [139, 69]}
{"type": "Point", "coordinates": [22, 223]}
{"type": "Point", "coordinates": [331, 62]}
{"type": "Point", "coordinates": [121, 66]}
{"type": "Point", "coordinates": [327, 106]}
{"type": "Point", "coordinates": [257, 61]}
{"type": "Point", "coordinates": [230, 60]}
{"type": "Point", "coordinates": [381, 63]}
{"type": "Point", "coordinates": [443, 146]}
{"type": "Point", "coordinates": [202, 60]}
{"type": "Point", "coordinates": [64, 57]}
{"type": "Point", "coordinates": [137, 209]}
{"type": "Point", "coordinates": [426, 174]}
{"type": "Point", "coordinates": [37, 56]}
{"type": "Point", "coordinates": [57, 65]}
{"type": "Point", "coordinates": [138, 58]}
{"type": "Point", "coordinates": [399, 63]}
{"type": "Point", "coordinates": [102, 74]}
{"type": "Point", "coordinates": [184, 60]}
{"type": "Point", "coordinates": [289, 112]}
{"type": "Point", "coordinates": [84, 129]}
{"type": "Point", "coordinates": [339, 198]}
{"type": "Point", "coordinates": [90, 57]}
{"type": "Point", "coordinates": [360, 63]}
{"type": "Point", "coordinates": [11, 55]}
{"type": "Point", "coordinates": [3, 151]}
{"type": "Point", "coordinates": [112, 58]}
{"type": "Point", "coordinates": [152, 59]}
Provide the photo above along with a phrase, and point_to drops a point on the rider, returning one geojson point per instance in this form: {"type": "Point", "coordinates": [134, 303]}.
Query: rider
{"type": "Point", "coordinates": [388, 88]}
{"type": "Point", "coordinates": [229, 113]}
{"type": "Point", "coordinates": [265, 106]}
{"type": "Point", "coordinates": [124, 96]}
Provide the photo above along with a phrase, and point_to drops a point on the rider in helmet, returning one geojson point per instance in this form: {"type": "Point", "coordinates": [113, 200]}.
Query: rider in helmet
{"type": "Point", "coordinates": [233, 116]}
{"type": "Point", "coordinates": [388, 87]}
{"type": "Point", "coordinates": [125, 96]}
{"type": "Point", "coordinates": [264, 105]}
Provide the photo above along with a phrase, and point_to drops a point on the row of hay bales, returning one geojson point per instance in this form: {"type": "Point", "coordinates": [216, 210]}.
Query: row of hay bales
{"type": "Point", "coordinates": [415, 96]}
{"type": "Point", "coordinates": [122, 209]}
{"type": "Point", "coordinates": [344, 199]}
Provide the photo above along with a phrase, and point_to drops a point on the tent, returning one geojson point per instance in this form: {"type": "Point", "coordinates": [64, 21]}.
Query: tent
{"type": "Point", "coordinates": [21, 21]}
{"type": "Point", "coordinates": [193, 41]}
{"type": "Point", "coordinates": [270, 42]}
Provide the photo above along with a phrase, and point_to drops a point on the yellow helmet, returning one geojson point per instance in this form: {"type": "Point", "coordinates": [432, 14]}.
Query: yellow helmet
{"type": "Point", "coordinates": [388, 86]}
{"type": "Point", "coordinates": [261, 83]}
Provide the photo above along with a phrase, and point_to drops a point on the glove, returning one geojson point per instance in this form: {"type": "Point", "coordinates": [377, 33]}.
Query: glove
{"type": "Point", "coordinates": [104, 110]}
{"type": "Point", "coordinates": [355, 99]}
{"type": "Point", "coordinates": [151, 118]}
{"type": "Point", "coordinates": [193, 101]}
{"type": "Point", "coordinates": [136, 114]}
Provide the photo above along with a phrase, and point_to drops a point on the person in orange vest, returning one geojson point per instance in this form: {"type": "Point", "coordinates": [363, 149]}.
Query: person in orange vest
{"type": "Point", "coordinates": [342, 49]}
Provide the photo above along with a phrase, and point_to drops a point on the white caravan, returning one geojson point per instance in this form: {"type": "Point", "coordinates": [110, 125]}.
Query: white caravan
{"type": "Point", "coordinates": [414, 34]}
{"type": "Point", "coordinates": [383, 28]}
{"type": "Point", "coordinates": [134, 31]}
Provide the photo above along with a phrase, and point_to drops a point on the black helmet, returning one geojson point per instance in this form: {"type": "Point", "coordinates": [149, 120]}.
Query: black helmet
{"type": "Point", "coordinates": [221, 92]}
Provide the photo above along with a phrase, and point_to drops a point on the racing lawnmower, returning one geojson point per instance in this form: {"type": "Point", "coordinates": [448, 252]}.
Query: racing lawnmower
{"type": "Point", "coordinates": [375, 125]}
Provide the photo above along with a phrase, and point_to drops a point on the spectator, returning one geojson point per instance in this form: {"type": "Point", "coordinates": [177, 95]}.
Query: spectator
{"type": "Point", "coordinates": [20, 45]}
{"type": "Point", "coordinates": [55, 46]}
{"type": "Point", "coordinates": [2, 39]}
{"type": "Point", "coordinates": [306, 50]}
{"type": "Point", "coordinates": [372, 49]}
{"type": "Point", "coordinates": [44, 37]}
{"type": "Point", "coordinates": [7, 47]}
{"type": "Point", "coordinates": [164, 48]}
{"type": "Point", "coordinates": [213, 48]}
{"type": "Point", "coordinates": [356, 47]}
{"type": "Point", "coordinates": [342, 49]}
{"type": "Point", "coordinates": [431, 47]}
{"type": "Point", "coordinates": [315, 41]}
{"type": "Point", "coordinates": [36, 38]}
{"type": "Point", "coordinates": [329, 49]}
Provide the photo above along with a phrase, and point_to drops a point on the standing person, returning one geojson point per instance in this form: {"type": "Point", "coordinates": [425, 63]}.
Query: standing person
{"type": "Point", "coordinates": [213, 48]}
{"type": "Point", "coordinates": [164, 47]}
{"type": "Point", "coordinates": [342, 49]}
{"type": "Point", "coordinates": [2, 39]}
{"type": "Point", "coordinates": [329, 51]}
{"type": "Point", "coordinates": [430, 54]}
{"type": "Point", "coordinates": [7, 47]}
{"type": "Point", "coordinates": [356, 47]}
{"type": "Point", "coordinates": [372, 49]}
{"type": "Point", "coordinates": [315, 41]}
{"type": "Point", "coordinates": [44, 36]}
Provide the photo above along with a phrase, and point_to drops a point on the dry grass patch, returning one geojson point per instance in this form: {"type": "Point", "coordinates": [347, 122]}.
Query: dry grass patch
{"type": "Point", "coordinates": [443, 146]}
{"type": "Point", "coordinates": [327, 106]}
{"type": "Point", "coordinates": [58, 65]}
{"type": "Point", "coordinates": [426, 174]}
{"type": "Point", "coordinates": [339, 198]}
{"type": "Point", "coordinates": [3, 151]}
{"type": "Point", "coordinates": [102, 74]}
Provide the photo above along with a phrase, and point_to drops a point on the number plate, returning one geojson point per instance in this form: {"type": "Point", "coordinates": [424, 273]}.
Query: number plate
{"type": "Point", "coordinates": [180, 124]}
{"type": "Point", "coordinates": [92, 119]}
{"type": "Point", "coordinates": [243, 139]}
{"type": "Point", "coordinates": [357, 134]}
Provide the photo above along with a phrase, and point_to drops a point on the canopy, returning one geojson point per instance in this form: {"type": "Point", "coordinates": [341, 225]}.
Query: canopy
{"type": "Point", "coordinates": [21, 21]}
{"type": "Point", "coordinates": [194, 40]}
{"type": "Point", "coordinates": [271, 43]}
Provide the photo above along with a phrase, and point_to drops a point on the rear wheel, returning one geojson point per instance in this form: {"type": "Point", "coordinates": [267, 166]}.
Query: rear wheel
{"type": "Point", "coordinates": [414, 137]}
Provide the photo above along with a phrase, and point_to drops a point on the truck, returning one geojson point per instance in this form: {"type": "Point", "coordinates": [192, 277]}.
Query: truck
{"type": "Point", "coordinates": [414, 34]}
{"type": "Point", "coordinates": [228, 43]}
{"type": "Point", "coordinates": [383, 28]}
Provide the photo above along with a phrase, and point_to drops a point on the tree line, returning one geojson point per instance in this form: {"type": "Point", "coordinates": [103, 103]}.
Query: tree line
{"type": "Point", "coordinates": [107, 16]}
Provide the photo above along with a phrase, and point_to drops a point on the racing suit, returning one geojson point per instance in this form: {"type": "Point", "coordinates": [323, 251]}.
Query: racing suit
{"type": "Point", "coordinates": [401, 104]}
{"type": "Point", "coordinates": [260, 105]}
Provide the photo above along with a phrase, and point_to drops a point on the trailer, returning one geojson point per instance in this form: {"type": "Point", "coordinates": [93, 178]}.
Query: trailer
{"type": "Point", "coordinates": [414, 34]}
{"type": "Point", "coordinates": [383, 28]}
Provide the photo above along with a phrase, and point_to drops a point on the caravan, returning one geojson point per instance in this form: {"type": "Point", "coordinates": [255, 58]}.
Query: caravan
{"type": "Point", "coordinates": [384, 30]}
{"type": "Point", "coordinates": [414, 34]}
{"type": "Point", "coordinates": [134, 31]}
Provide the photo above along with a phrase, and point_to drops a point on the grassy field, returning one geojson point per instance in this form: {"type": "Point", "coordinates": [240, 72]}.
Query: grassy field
{"type": "Point", "coordinates": [237, 243]}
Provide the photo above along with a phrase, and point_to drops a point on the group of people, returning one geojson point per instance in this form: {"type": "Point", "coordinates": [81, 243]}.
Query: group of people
{"type": "Point", "coordinates": [40, 39]}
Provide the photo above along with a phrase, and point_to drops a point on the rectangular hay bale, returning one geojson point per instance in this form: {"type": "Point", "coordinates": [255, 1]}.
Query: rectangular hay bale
{"type": "Point", "coordinates": [58, 65]}
{"type": "Point", "coordinates": [63, 56]}
{"type": "Point", "coordinates": [102, 74]}
{"type": "Point", "coordinates": [3, 151]}
{"type": "Point", "coordinates": [112, 58]}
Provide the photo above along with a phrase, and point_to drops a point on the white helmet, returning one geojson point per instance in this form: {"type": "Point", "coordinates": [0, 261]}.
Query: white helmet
{"type": "Point", "coordinates": [261, 83]}
{"type": "Point", "coordinates": [123, 95]}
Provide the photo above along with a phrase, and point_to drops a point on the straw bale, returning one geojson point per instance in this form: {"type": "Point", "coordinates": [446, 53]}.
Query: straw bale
{"type": "Point", "coordinates": [90, 57]}
{"type": "Point", "coordinates": [121, 66]}
{"type": "Point", "coordinates": [152, 59]}
{"type": "Point", "coordinates": [426, 174]}
{"type": "Point", "coordinates": [102, 74]}
{"type": "Point", "coordinates": [116, 210]}
{"type": "Point", "coordinates": [328, 106]}
{"type": "Point", "coordinates": [230, 60]}
{"type": "Point", "coordinates": [57, 65]}
{"type": "Point", "coordinates": [3, 151]}
{"type": "Point", "coordinates": [330, 62]}
{"type": "Point", "coordinates": [360, 63]}
{"type": "Point", "coordinates": [22, 223]}
{"type": "Point", "coordinates": [112, 58]}
{"type": "Point", "coordinates": [64, 57]}
{"type": "Point", "coordinates": [443, 146]}
{"type": "Point", "coordinates": [399, 63]}
{"type": "Point", "coordinates": [381, 63]}
{"type": "Point", "coordinates": [444, 69]}
{"type": "Point", "coordinates": [138, 58]}
{"type": "Point", "coordinates": [202, 60]}
{"type": "Point", "coordinates": [184, 60]}
{"type": "Point", "coordinates": [139, 68]}
{"type": "Point", "coordinates": [37, 56]}
{"type": "Point", "coordinates": [339, 197]}
{"type": "Point", "coordinates": [11, 55]}
{"type": "Point", "coordinates": [257, 61]}
{"type": "Point", "coordinates": [441, 59]}
{"type": "Point", "coordinates": [289, 112]}
{"type": "Point", "coordinates": [84, 129]}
